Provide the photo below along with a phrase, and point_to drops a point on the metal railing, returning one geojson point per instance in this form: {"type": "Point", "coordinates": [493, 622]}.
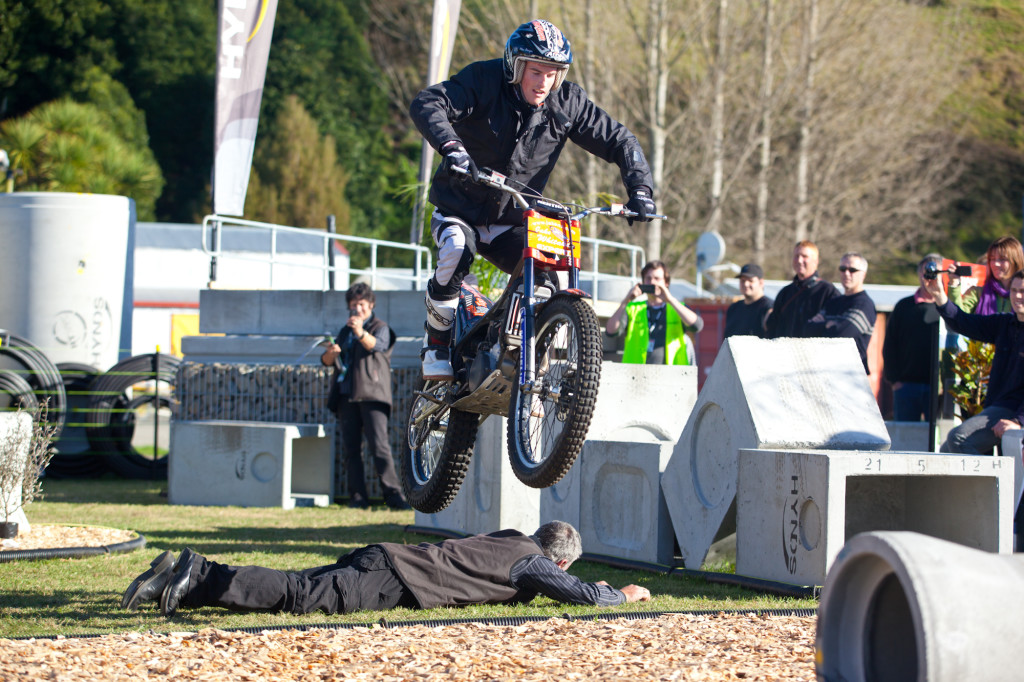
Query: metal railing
{"type": "Point", "coordinates": [417, 276]}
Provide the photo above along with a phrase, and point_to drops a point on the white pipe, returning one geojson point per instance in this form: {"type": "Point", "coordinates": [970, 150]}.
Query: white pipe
{"type": "Point", "coordinates": [898, 605]}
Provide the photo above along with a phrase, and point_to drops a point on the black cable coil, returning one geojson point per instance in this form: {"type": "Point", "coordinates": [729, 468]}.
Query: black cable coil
{"type": "Point", "coordinates": [36, 369]}
{"type": "Point", "coordinates": [111, 416]}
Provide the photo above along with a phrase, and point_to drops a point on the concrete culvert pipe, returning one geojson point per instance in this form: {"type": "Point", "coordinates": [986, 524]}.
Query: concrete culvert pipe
{"type": "Point", "coordinates": [904, 606]}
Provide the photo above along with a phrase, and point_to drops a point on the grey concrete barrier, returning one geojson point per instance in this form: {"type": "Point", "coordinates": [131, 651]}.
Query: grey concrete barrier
{"type": "Point", "coordinates": [903, 606]}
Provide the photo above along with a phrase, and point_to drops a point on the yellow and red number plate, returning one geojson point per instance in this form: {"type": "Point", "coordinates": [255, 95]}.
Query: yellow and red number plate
{"type": "Point", "coordinates": [553, 236]}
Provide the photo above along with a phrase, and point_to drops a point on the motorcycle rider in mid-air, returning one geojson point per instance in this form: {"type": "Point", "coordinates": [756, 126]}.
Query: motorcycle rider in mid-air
{"type": "Point", "coordinates": [512, 115]}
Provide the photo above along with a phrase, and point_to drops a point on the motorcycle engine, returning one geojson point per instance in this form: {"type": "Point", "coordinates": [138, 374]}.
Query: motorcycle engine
{"type": "Point", "coordinates": [480, 367]}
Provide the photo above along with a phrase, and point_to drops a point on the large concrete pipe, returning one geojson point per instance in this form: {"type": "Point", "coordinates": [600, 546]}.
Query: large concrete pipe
{"type": "Point", "coordinates": [903, 606]}
{"type": "Point", "coordinates": [66, 273]}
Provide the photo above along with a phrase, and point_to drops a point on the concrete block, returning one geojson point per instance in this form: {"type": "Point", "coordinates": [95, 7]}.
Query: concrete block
{"type": "Point", "coordinates": [761, 394]}
{"type": "Point", "coordinates": [622, 506]}
{"type": "Point", "coordinates": [635, 403]}
{"type": "Point", "coordinates": [1011, 447]}
{"type": "Point", "coordinates": [491, 497]}
{"type": "Point", "coordinates": [643, 402]}
{"type": "Point", "coordinates": [249, 464]}
{"type": "Point", "coordinates": [15, 441]}
{"type": "Point", "coordinates": [297, 312]}
{"type": "Point", "coordinates": [797, 508]}
{"type": "Point", "coordinates": [913, 436]}
{"type": "Point", "coordinates": [253, 350]}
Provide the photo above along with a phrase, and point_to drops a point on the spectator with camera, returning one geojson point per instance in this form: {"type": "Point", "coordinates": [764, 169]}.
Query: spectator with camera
{"type": "Point", "coordinates": [747, 316]}
{"type": "Point", "coordinates": [360, 395]}
{"type": "Point", "coordinates": [656, 322]}
{"type": "Point", "coordinates": [912, 327]}
{"type": "Point", "coordinates": [851, 315]}
{"type": "Point", "coordinates": [1003, 407]}
{"type": "Point", "coordinates": [802, 298]}
{"type": "Point", "coordinates": [1004, 257]}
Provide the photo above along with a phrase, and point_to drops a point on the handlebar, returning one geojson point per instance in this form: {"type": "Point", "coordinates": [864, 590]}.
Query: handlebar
{"type": "Point", "coordinates": [500, 182]}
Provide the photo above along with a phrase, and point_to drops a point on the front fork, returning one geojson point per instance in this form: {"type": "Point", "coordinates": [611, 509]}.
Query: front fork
{"type": "Point", "coordinates": [527, 362]}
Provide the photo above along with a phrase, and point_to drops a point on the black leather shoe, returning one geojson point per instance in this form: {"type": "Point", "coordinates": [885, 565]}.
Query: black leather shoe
{"type": "Point", "coordinates": [357, 501]}
{"type": "Point", "coordinates": [178, 584]}
{"type": "Point", "coordinates": [149, 584]}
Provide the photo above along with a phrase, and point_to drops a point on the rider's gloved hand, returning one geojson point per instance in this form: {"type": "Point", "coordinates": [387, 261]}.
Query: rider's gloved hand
{"type": "Point", "coordinates": [641, 202]}
{"type": "Point", "coordinates": [456, 156]}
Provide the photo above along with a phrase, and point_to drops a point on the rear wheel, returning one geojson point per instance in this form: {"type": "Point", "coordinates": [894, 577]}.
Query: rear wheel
{"type": "Point", "coordinates": [440, 441]}
{"type": "Point", "coordinates": [546, 428]}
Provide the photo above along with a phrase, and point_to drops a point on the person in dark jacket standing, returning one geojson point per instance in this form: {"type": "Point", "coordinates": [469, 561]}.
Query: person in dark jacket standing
{"type": "Point", "coordinates": [747, 316]}
{"type": "Point", "coordinates": [801, 299]}
{"type": "Point", "coordinates": [505, 567]}
{"type": "Point", "coordinates": [912, 328]}
{"type": "Point", "coordinates": [851, 315]}
{"type": "Point", "coordinates": [1003, 407]}
{"type": "Point", "coordinates": [512, 115]}
{"type": "Point", "coordinates": [360, 395]}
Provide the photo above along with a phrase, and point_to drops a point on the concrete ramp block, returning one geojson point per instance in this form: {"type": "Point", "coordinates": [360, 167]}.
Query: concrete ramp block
{"type": "Point", "coordinates": [491, 497]}
{"type": "Point", "coordinates": [249, 464]}
{"type": "Point", "coordinates": [622, 507]}
{"type": "Point", "coordinates": [797, 508]}
{"type": "Point", "coordinates": [764, 394]}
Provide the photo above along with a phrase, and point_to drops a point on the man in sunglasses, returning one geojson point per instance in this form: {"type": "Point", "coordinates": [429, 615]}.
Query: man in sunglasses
{"type": "Point", "coordinates": [851, 315]}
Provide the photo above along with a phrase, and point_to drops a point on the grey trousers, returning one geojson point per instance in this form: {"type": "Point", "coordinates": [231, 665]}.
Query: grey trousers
{"type": "Point", "coordinates": [975, 435]}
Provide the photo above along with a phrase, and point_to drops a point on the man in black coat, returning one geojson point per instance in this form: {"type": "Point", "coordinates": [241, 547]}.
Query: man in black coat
{"type": "Point", "coordinates": [801, 299]}
{"type": "Point", "coordinates": [360, 395]}
{"type": "Point", "coordinates": [506, 567]}
{"type": "Point", "coordinates": [512, 115]}
{"type": "Point", "coordinates": [747, 317]}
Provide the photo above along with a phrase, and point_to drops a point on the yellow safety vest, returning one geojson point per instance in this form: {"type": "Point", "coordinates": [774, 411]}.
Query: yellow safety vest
{"type": "Point", "coordinates": [637, 331]}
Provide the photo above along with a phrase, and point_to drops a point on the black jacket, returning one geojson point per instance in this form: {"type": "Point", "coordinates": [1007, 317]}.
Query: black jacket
{"type": "Point", "coordinates": [473, 570]}
{"type": "Point", "coordinates": [370, 371]}
{"type": "Point", "coordinates": [1006, 333]}
{"type": "Point", "coordinates": [798, 302]}
{"type": "Point", "coordinates": [482, 110]}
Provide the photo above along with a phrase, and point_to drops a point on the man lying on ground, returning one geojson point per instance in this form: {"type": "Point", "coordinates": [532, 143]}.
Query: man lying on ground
{"type": "Point", "coordinates": [505, 567]}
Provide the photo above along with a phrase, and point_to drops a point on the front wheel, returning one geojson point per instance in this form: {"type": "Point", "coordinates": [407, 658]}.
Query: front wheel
{"type": "Point", "coordinates": [547, 427]}
{"type": "Point", "coordinates": [440, 441]}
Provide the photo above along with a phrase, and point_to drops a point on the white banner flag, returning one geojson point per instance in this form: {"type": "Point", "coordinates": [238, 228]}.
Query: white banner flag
{"type": "Point", "coordinates": [243, 45]}
{"type": "Point", "coordinates": [442, 41]}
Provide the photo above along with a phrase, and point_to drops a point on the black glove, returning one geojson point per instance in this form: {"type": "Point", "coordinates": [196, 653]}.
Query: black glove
{"type": "Point", "coordinates": [640, 202]}
{"type": "Point", "coordinates": [456, 156]}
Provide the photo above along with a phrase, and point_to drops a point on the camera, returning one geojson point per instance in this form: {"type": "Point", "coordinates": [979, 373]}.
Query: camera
{"type": "Point", "coordinates": [647, 288]}
{"type": "Point", "coordinates": [931, 270]}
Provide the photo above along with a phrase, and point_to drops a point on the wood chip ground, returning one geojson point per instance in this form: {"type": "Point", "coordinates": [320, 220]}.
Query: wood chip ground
{"type": "Point", "coordinates": [672, 647]}
{"type": "Point", "coordinates": [41, 536]}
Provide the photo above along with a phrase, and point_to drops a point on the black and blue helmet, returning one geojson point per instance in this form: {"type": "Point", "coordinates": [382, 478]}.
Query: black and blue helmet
{"type": "Point", "coordinates": [537, 41]}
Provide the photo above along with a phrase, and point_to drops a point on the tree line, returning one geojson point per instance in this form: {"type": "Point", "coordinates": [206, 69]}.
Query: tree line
{"type": "Point", "coordinates": [882, 126]}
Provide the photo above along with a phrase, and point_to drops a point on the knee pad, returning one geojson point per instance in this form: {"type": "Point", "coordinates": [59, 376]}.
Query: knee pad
{"type": "Point", "coordinates": [456, 247]}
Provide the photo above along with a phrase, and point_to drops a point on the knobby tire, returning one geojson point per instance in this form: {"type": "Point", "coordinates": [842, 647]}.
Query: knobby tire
{"type": "Point", "coordinates": [433, 471]}
{"type": "Point", "coordinates": [539, 461]}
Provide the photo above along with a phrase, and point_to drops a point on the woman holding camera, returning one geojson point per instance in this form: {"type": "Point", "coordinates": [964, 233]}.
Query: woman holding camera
{"type": "Point", "coordinates": [1005, 257]}
{"type": "Point", "coordinates": [361, 395]}
{"type": "Point", "coordinates": [656, 326]}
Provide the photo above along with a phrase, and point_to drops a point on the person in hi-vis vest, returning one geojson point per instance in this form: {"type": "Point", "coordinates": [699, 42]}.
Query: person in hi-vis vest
{"type": "Point", "coordinates": [656, 322]}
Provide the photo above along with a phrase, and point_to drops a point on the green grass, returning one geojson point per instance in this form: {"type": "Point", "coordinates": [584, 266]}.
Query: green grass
{"type": "Point", "coordinates": [82, 596]}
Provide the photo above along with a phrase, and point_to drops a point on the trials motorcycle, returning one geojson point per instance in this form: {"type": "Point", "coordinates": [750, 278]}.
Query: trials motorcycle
{"type": "Point", "coordinates": [533, 356]}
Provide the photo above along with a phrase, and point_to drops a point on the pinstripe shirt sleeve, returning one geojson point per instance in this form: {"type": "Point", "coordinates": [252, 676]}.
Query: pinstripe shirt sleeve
{"type": "Point", "coordinates": [539, 574]}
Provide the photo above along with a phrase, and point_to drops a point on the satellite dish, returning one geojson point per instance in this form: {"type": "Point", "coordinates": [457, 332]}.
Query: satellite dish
{"type": "Point", "coordinates": [710, 250]}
